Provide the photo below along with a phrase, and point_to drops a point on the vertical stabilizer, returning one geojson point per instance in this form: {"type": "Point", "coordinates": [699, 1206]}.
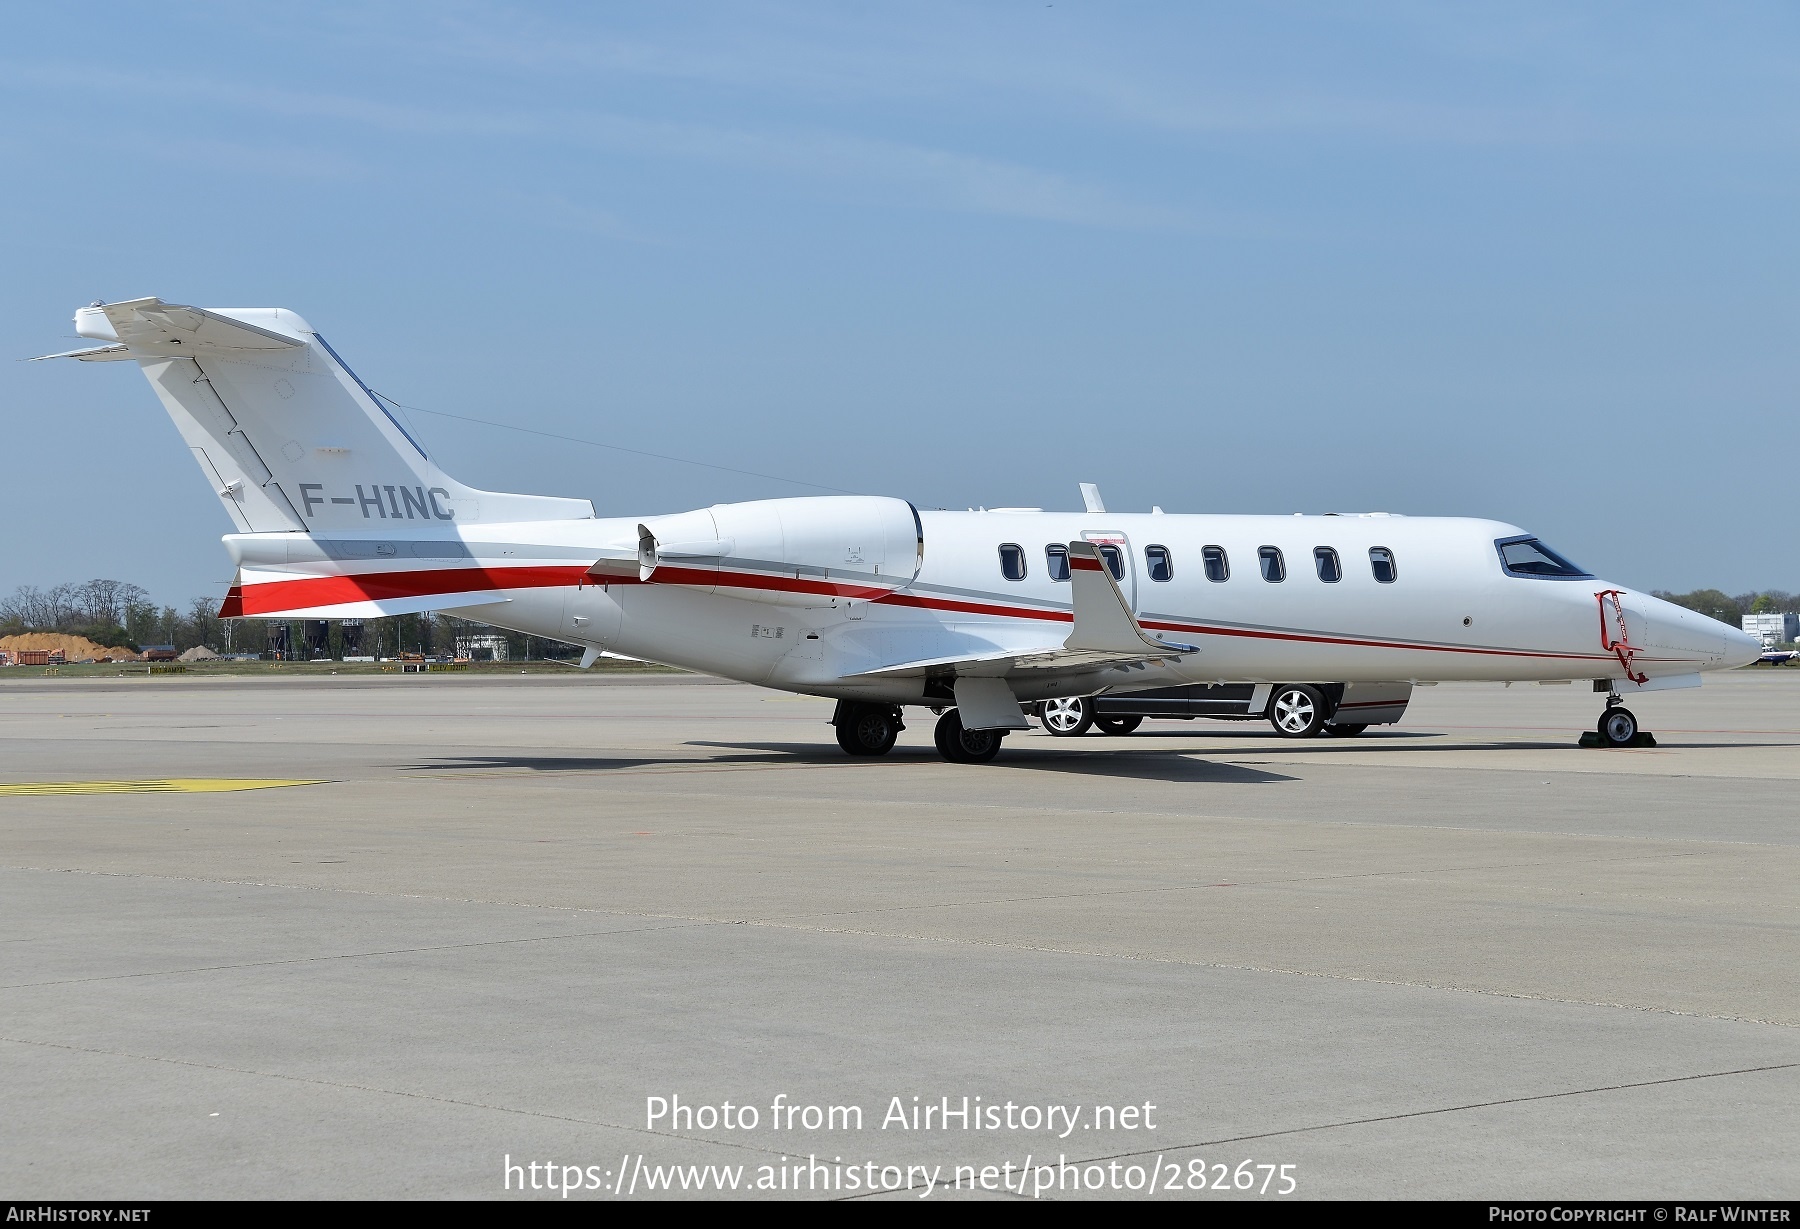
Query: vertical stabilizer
{"type": "Point", "coordinates": [283, 430]}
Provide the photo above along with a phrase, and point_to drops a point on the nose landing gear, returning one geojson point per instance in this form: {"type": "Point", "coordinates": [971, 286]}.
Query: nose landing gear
{"type": "Point", "coordinates": [1617, 727]}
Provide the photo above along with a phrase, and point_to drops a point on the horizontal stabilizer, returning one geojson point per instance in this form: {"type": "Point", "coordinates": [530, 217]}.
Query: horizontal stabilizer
{"type": "Point", "coordinates": [150, 327]}
{"type": "Point", "coordinates": [93, 354]}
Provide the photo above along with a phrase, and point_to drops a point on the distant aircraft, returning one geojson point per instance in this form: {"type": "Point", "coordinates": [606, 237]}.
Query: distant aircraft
{"type": "Point", "coordinates": [866, 599]}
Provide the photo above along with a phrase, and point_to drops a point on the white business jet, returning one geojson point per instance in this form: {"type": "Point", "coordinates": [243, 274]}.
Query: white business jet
{"type": "Point", "coordinates": [865, 599]}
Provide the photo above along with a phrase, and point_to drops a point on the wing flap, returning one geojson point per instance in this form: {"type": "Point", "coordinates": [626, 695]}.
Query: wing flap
{"type": "Point", "coordinates": [988, 704]}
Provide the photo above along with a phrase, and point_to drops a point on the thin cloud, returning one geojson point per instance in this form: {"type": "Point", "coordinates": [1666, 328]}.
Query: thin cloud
{"type": "Point", "coordinates": [923, 175]}
{"type": "Point", "coordinates": [1010, 62]}
{"type": "Point", "coordinates": [555, 210]}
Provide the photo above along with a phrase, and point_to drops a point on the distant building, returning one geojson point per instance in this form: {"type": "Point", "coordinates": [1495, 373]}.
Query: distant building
{"type": "Point", "coordinates": [1776, 627]}
{"type": "Point", "coordinates": [486, 646]}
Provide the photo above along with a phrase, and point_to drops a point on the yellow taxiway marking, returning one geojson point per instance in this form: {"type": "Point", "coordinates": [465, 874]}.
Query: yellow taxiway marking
{"type": "Point", "coordinates": [177, 785]}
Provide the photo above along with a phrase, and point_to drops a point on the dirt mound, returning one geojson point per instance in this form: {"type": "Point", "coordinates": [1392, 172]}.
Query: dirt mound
{"type": "Point", "coordinates": [199, 653]}
{"type": "Point", "coordinates": [75, 648]}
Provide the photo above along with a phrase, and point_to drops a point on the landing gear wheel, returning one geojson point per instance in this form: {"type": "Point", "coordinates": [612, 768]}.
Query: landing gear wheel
{"type": "Point", "coordinates": [1346, 729]}
{"type": "Point", "coordinates": [1297, 710]}
{"type": "Point", "coordinates": [961, 746]}
{"type": "Point", "coordinates": [1118, 725]}
{"type": "Point", "coordinates": [868, 729]}
{"type": "Point", "coordinates": [1618, 727]}
{"type": "Point", "coordinates": [1069, 717]}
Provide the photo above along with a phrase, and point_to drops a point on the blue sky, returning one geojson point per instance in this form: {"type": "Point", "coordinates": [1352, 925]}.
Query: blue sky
{"type": "Point", "coordinates": [1535, 262]}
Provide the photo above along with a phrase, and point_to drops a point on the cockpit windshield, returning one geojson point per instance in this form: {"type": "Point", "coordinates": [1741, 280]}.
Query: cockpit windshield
{"type": "Point", "coordinates": [1530, 558]}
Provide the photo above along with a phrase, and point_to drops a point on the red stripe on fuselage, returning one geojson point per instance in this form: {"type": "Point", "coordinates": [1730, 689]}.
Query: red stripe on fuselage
{"type": "Point", "coordinates": [269, 596]}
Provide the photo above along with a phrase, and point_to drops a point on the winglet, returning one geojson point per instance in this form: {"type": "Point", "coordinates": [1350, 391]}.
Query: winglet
{"type": "Point", "coordinates": [1103, 619]}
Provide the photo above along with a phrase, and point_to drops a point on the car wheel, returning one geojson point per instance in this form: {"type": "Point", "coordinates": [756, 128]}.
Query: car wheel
{"type": "Point", "coordinates": [1297, 710]}
{"type": "Point", "coordinates": [1068, 717]}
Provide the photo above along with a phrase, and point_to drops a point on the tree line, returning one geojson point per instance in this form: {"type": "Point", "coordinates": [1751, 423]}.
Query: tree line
{"type": "Point", "coordinates": [118, 614]}
{"type": "Point", "coordinates": [1732, 610]}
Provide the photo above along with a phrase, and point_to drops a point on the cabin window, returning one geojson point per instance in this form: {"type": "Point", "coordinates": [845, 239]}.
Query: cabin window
{"type": "Point", "coordinates": [1274, 570]}
{"type": "Point", "coordinates": [1217, 566]}
{"type": "Point", "coordinates": [1325, 562]}
{"type": "Point", "coordinates": [1158, 563]}
{"type": "Point", "coordinates": [1115, 561]}
{"type": "Point", "coordinates": [1531, 559]}
{"type": "Point", "coordinates": [1012, 561]}
{"type": "Point", "coordinates": [1056, 562]}
{"type": "Point", "coordinates": [1381, 562]}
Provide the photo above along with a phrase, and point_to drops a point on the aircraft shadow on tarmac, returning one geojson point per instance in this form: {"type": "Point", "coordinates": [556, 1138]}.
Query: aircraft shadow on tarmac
{"type": "Point", "coordinates": [585, 763]}
{"type": "Point", "coordinates": [1146, 765]}
{"type": "Point", "coordinates": [1151, 765]}
{"type": "Point", "coordinates": [1139, 766]}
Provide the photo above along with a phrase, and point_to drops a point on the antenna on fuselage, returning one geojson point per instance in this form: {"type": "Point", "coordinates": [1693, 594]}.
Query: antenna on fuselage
{"type": "Point", "coordinates": [1090, 495]}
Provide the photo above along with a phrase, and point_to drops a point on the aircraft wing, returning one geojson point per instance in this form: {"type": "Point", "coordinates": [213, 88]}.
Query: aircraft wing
{"type": "Point", "coordinates": [1003, 661]}
{"type": "Point", "coordinates": [1105, 633]}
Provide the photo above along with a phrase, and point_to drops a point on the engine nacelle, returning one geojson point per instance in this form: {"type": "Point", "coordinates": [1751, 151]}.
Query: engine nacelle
{"type": "Point", "coordinates": [788, 552]}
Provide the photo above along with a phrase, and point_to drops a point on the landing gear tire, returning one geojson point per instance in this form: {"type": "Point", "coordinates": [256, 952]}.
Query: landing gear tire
{"type": "Point", "coordinates": [868, 729]}
{"type": "Point", "coordinates": [1297, 710]}
{"type": "Point", "coordinates": [1118, 725]}
{"type": "Point", "coordinates": [1617, 727]}
{"type": "Point", "coordinates": [1067, 718]}
{"type": "Point", "coordinates": [1347, 729]}
{"type": "Point", "coordinates": [961, 746]}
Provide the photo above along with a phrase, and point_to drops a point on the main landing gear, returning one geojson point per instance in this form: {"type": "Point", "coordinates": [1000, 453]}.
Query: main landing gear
{"type": "Point", "coordinates": [867, 729]}
{"type": "Point", "coordinates": [1617, 727]}
{"type": "Point", "coordinates": [961, 746]}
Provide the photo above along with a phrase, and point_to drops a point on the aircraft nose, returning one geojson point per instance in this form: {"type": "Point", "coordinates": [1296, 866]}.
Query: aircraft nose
{"type": "Point", "coordinates": [1741, 648]}
{"type": "Point", "coordinates": [1712, 645]}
